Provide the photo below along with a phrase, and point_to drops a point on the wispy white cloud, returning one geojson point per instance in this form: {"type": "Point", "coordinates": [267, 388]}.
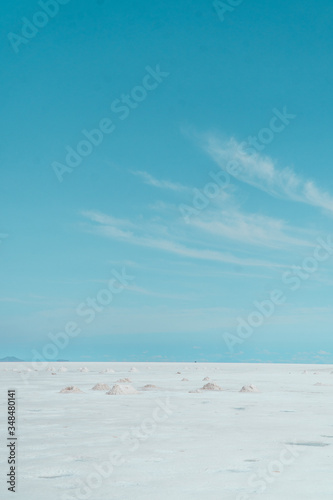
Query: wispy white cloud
{"type": "Point", "coordinates": [251, 229]}
{"type": "Point", "coordinates": [14, 300]}
{"type": "Point", "coordinates": [226, 220]}
{"type": "Point", "coordinates": [261, 172]}
{"type": "Point", "coordinates": [163, 184]}
{"type": "Point", "coordinates": [223, 218]}
{"type": "Point", "coordinates": [107, 220]}
{"type": "Point", "coordinates": [112, 230]}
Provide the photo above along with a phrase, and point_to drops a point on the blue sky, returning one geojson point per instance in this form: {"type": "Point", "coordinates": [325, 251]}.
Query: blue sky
{"type": "Point", "coordinates": [259, 74]}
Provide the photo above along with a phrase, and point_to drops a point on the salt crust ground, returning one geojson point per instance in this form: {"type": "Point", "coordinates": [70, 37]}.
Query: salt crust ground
{"type": "Point", "coordinates": [213, 445]}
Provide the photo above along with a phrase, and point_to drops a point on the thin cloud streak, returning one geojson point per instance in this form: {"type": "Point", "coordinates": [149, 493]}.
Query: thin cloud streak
{"type": "Point", "coordinates": [169, 246]}
{"type": "Point", "coordinates": [261, 172]}
{"type": "Point", "coordinates": [163, 184]}
{"type": "Point", "coordinates": [250, 229]}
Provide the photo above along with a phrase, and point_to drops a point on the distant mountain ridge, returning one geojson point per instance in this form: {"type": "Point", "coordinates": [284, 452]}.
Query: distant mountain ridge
{"type": "Point", "coordinates": [10, 359]}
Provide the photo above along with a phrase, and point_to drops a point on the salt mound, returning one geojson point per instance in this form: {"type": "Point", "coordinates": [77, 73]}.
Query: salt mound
{"type": "Point", "coordinates": [179, 373]}
{"type": "Point", "coordinates": [107, 370]}
{"type": "Point", "coordinates": [211, 387]}
{"type": "Point", "coordinates": [249, 388]}
{"type": "Point", "coordinates": [101, 387]}
{"type": "Point", "coordinates": [149, 387]}
{"type": "Point", "coordinates": [124, 381]}
{"type": "Point", "coordinates": [185, 380]}
{"type": "Point", "coordinates": [122, 389]}
{"type": "Point", "coordinates": [62, 369]}
{"type": "Point", "coordinates": [70, 389]}
{"type": "Point", "coordinates": [134, 370]}
{"type": "Point", "coordinates": [84, 370]}
{"type": "Point", "coordinates": [205, 379]}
